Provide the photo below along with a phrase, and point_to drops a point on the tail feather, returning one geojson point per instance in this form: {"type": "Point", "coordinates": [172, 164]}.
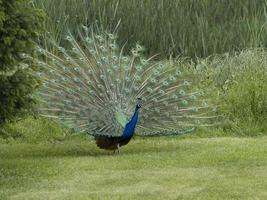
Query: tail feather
{"type": "Point", "coordinates": [87, 83]}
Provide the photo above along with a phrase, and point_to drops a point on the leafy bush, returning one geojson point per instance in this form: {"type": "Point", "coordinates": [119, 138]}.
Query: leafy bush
{"type": "Point", "coordinates": [33, 131]}
{"type": "Point", "coordinates": [240, 83]}
{"type": "Point", "coordinates": [19, 25]}
{"type": "Point", "coordinates": [246, 103]}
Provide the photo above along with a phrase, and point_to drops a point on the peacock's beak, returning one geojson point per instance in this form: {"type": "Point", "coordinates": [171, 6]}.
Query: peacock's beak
{"type": "Point", "coordinates": [139, 101]}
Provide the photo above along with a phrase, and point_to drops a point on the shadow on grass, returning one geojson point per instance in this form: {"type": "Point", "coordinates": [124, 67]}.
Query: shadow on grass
{"type": "Point", "coordinates": [84, 148]}
{"type": "Point", "coordinates": [24, 150]}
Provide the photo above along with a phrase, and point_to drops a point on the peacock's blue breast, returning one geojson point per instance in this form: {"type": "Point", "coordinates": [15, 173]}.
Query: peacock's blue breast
{"type": "Point", "coordinates": [130, 127]}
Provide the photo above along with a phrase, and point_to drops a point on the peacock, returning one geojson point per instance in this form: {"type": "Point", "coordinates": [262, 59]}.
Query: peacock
{"type": "Point", "coordinates": [92, 86]}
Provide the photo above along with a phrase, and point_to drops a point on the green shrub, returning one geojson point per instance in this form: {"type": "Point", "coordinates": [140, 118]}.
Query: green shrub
{"type": "Point", "coordinates": [33, 131]}
{"type": "Point", "coordinates": [247, 97]}
{"type": "Point", "coordinates": [239, 84]}
{"type": "Point", "coordinates": [19, 25]}
{"type": "Point", "coordinates": [246, 103]}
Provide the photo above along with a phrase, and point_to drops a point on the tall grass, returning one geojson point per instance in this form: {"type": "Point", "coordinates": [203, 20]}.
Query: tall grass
{"type": "Point", "coordinates": [195, 28]}
{"type": "Point", "coordinates": [240, 84]}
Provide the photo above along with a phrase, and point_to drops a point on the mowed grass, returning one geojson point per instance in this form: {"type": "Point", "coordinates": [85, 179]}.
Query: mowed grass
{"type": "Point", "coordinates": [147, 168]}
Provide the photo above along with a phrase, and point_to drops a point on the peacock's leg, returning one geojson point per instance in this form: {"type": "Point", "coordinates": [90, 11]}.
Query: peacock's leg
{"type": "Point", "coordinates": [118, 148]}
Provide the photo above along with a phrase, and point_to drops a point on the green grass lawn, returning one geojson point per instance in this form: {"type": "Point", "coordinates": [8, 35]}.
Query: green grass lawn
{"type": "Point", "coordinates": [150, 168]}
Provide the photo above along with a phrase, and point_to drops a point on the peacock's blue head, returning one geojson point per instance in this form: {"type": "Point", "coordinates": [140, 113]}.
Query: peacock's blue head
{"type": "Point", "coordinates": [138, 105]}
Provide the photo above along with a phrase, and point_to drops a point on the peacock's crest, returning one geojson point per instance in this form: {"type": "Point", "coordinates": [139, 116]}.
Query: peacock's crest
{"type": "Point", "coordinates": [92, 86]}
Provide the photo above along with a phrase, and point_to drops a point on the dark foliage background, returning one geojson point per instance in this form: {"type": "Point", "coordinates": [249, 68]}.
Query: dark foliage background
{"type": "Point", "coordinates": [19, 26]}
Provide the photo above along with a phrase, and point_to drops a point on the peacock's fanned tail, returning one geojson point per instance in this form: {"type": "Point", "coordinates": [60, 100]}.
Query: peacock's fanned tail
{"type": "Point", "coordinates": [87, 83]}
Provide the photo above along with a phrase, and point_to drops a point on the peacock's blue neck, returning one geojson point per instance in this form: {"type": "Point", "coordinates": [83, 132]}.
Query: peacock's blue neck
{"type": "Point", "coordinates": [130, 126]}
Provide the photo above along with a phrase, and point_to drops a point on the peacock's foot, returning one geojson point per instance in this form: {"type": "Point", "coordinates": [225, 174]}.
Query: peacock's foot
{"type": "Point", "coordinates": [117, 150]}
